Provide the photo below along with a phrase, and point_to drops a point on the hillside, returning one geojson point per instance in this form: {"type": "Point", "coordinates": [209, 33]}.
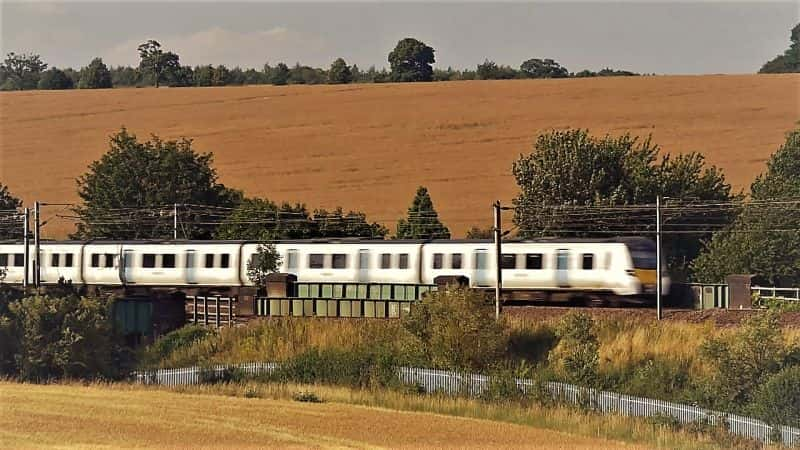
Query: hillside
{"type": "Point", "coordinates": [367, 147]}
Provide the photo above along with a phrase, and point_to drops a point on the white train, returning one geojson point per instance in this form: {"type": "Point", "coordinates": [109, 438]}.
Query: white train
{"type": "Point", "coordinates": [619, 266]}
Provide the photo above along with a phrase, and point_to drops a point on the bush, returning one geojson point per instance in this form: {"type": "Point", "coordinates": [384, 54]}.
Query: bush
{"type": "Point", "coordinates": [575, 358]}
{"type": "Point", "coordinates": [359, 367]}
{"type": "Point", "coordinates": [163, 348]}
{"type": "Point", "coordinates": [777, 401]}
{"type": "Point", "coordinates": [455, 328]}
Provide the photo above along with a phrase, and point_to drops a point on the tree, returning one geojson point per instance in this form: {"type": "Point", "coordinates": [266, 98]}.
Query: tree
{"type": "Point", "coordinates": [18, 72]}
{"type": "Point", "coordinates": [129, 192]}
{"type": "Point", "coordinates": [8, 227]}
{"type": "Point", "coordinates": [264, 262]}
{"type": "Point", "coordinates": [54, 79]}
{"type": "Point", "coordinates": [571, 169]}
{"type": "Point", "coordinates": [789, 61]}
{"type": "Point", "coordinates": [480, 233]}
{"type": "Point", "coordinates": [576, 357]}
{"type": "Point", "coordinates": [337, 223]}
{"type": "Point", "coordinates": [339, 72]}
{"type": "Point", "coordinates": [748, 246]}
{"type": "Point", "coordinates": [203, 75]}
{"type": "Point", "coordinates": [280, 75]}
{"type": "Point", "coordinates": [543, 68]}
{"type": "Point", "coordinates": [411, 61]}
{"type": "Point", "coordinates": [125, 76]}
{"type": "Point", "coordinates": [491, 71]}
{"type": "Point", "coordinates": [155, 61]}
{"type": "Point", "coordinates": [220, 75]}
{"type": "Point", "coordinates": [422, 221]}
{"type": "Point", "coordinates": [95, 76]}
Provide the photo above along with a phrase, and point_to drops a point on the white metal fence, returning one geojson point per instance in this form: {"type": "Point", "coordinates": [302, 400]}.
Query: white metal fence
{"type": "Point", "coordinates": [776, 293]}
{"type": "Point", "coordinates": [454, 383]}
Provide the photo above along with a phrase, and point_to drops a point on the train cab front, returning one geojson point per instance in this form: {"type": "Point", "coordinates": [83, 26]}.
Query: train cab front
{"type": "Point", "coordinates": [643, 273]}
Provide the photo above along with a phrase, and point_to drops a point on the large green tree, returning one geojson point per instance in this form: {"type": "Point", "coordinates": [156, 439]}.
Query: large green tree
{"type": "Point", "coordinates": [10, 227]}
{"type": "Point", "coordinates": [569, 170]}
{"type": "Point", "coordinates": [55, 79]}
{"type": "Point", "coordinates": [95, 76]}
{"type": "Point", "coordinates": [764, 240]}
{"type": "Point", "coordinates": [543, 68]}
{"type": "Point", "coordinates": [339, 72]}
{"type": "Point", "coordinates": [422, 221]}
{"type": "Point", "coordinates": [279, 76]}
{"type": "Point", "coordinates": [789, 61]}
{"type": "Point", "coordinates": [21, 71]}
{"type": "Point", "coordinates": [129, 192]}
{"type": "Point", "coordinates": [411, 61]}
{"type": "Point", "coordinates": [156, 62]}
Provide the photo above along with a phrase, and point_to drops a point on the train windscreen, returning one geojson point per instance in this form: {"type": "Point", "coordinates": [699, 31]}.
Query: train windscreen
{"type": "Point", "coordinates": [643, 254]}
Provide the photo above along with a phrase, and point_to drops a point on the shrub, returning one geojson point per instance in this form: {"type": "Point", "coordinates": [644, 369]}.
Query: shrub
{"type": "Point", "coordinates": [163, 348]}
{"type": "Point", "coordinates": [455, 328]}
{"type": "Point", "coordinates": [777, 401]}
{"type": "Point", "coordinates": [575, 358]}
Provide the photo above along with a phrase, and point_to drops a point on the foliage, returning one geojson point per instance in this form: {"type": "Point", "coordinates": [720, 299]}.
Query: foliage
{"type": "Point", "coordinates": [264, 262]}
{"type": "Point", "coordinates": [543, 68]}
{"type": "Point", "coordinates": [164, 346]}
{"type": "Point", "coordinates": [306, 75]}
{"type": "Point", "coordinates": [789, 61]}
{"type": "Point", "coordinates": [480, 233]}
{"type": "Point", "coordinates": [748, 246]}
{"type": "Point", "coordinates": [8, 202]}
{"type": "Point", "coordinates": [21, 71]}
{"type": "Point", "coordinates": [411, 61]}
{"type": "Point", "coordinates": [744, 360]}
{"type": "Point", "coordinates": [606, 72]}
{"type": "Point", "coordinates": [155, 61]}
{"type": "Point", "coordinates": [455, 328]}
{"type": "Point", "coordinates": [61, 337]}
{"type": "Point", "coordinates": [153, 174]}
{"type": "Point", "coordinates": [422, 221]}
{"type": "Point", "coordinates": [339, 73]}
{"type": "Point", "coordinates": [575, 357]}
{"type": "Point", "coordinates": [489, 70]}
{"type": "Point", "coordinates": [54, 79]}
{"type": "Point", "coordinates": [95, 76]}
{"type": "Point", "coordinates": [777, 401]}
{"type": "Point", "coordinates": [571, 168]}
{"type": "Point", "coordinates": [280, 75]}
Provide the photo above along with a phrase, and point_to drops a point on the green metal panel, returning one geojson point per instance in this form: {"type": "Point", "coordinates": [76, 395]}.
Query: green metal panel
{"type": "Point", "coordinates": [411, 292]}
{"type": "Point", "coordinates": [332, 308]}
{"type": "Point", "coordinates": [355, 308]}
{"type": "Point", "coordinates": [351, 291]}
{"type": "Point", "coordinates": [369, 309]}
{"type": "Point", "coordinates": [313, 290]}
{"type": "Point", "coordinates": [322, 308]}
{"type": "Point", "coordinates": [374, 291]}
{"type": "Point", "coordinates": [405, 309]}
{"type": "Point", "coordinates": [302, 290]}
{"type": "Point", "coordinates": [297, 307]}
{"type": "Point", "coordinates": [327, 291]}
{"type": "Point", "coordinates": [275, 307]}
{"type": "Point", "coordinates": [380, 309]}
{"type": "Point", "coordinates": [338, 290]}
{"type": "Point", "coordinates": [344, 308]}
{"type": "Point", "coordinates": [386, 291]}
{"type": "Point", "coordinates": [422, 291]}
{"type": "Point", "coordinates": [285, 307]}
{"type": "Point", "coordinates": [308, 308]}
{"type": "Point", "coordinates": [399, 292]}
{"type": "Point", "coordinates": [362, 291]}
{"type": "Point", "coordinates": [394, 309]}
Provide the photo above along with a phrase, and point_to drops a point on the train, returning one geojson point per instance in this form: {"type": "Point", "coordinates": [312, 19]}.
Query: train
{"type": "Point", "coordinates": [567, 268]}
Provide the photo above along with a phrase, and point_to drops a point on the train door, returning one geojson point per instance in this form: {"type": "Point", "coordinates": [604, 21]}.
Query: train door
{"type": "Point", "coordinates": [482, 275]}
{"type": "Point", "coordinates": [363, 266]}
{"type": "Point", "coordinates": [126, 267]}
{"type": "Point", "coordinates": [562, 268]}
{"type": "Point", "coordinates": [191, 272]}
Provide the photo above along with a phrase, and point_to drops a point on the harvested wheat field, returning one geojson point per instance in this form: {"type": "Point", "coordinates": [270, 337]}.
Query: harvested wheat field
{"type": "Point", "coordinates": [37, 416]}
{"type": "Point", "coordinates": [367, 147]}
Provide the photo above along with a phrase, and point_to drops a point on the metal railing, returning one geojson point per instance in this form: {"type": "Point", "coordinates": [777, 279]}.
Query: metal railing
{"type": "Point", "coordinates": [455, 383]}
{"type": "Point", "coordinates": [777, 293]}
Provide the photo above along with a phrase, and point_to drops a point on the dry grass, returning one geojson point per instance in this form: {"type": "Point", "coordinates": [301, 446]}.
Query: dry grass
{"type": "Point", "coordinates": [216, 416]}
{"type": "Point", "coordinates": [367, 147]}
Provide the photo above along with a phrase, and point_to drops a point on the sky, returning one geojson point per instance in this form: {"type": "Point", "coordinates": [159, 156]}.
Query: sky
{"type": "Point", "coordinates": [642, 36]}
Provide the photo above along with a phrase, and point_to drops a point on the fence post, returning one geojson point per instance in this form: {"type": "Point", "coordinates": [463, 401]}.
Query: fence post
{"type": "Point", "coordinates": [216, 309]}
{"type": "Point", "coordinates": [205, 310]}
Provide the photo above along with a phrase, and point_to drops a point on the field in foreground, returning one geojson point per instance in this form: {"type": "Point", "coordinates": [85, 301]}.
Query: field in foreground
{"type": "Point", "coordinates": [57, 416]}
{"type": "Point", "coordinates": [367, 147]}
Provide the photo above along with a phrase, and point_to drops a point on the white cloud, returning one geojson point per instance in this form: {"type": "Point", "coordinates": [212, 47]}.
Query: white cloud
{"type": "Point", "coordinates": [218, 45]}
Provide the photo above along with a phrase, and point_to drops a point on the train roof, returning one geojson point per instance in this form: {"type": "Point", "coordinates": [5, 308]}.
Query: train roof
{"type": "Point", "coordinates": [619, 239]}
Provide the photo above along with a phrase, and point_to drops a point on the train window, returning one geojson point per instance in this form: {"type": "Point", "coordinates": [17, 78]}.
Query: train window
{"type": "Point", "coordinates": [68, 260]}
{"type": "Point", "coordinates": [95, 260]}
{"type": "Point", "coordinates": [509, 261]}
{"type": "Point", "coordinates": [386, 260]}
{"type": "Point", "coordinates": [168, 261]}
{"type": "Point", "coordinates": [3, 259]}
{"type": "Point", "coordinates": [109, 260]}
{"type": "Point", "coordinates": [316, 261]}
{"type": "Point", "coordinates": [225, 260]}
{"type": "Point", "coordinates": [402, 261]}
{"type": "Point", "coordinates": [339, 261]}
{"type": "Point", "coordinates": [209, 260]}
{"type": "Point", "coordinates": [437, 260]}
{"type": "Point", "coordinates": [455, 260]}
{"type": "Point", "coordinates": [481, 260]}
{"type": "Point", "coordinates": [533, 261]}
{"type": "Point", "coordinates": [291, 259]}
{"type": "Point", "coordinates": [19, 259]}
{"type": "Point", "coordinates": [55, 259]}
{"type": "Point", "coordinates": [588, 261]}
{"type": "Point", "coordinates": [148, 260]}
{"type": "Point", "coordinates": [363, 259]}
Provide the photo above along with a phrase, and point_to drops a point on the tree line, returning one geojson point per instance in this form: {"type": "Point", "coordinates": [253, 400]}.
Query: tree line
{"type": "Point", "coordinates": [411, 60]}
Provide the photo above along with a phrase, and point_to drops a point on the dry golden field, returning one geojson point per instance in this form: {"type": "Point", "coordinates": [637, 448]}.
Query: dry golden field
{"type": "Point", "coordinates": [367, 147]}
{"type": "Point", "coordinates": [57, 416]}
